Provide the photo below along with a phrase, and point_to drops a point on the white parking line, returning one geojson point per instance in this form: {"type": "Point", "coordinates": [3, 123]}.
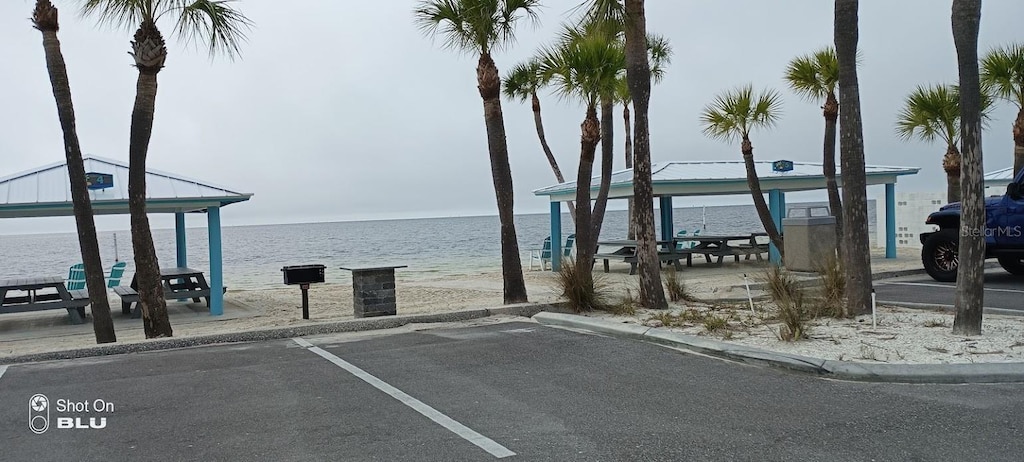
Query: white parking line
{"type": "Point", "coordinates": [925, 284]}
{"type": "Point", "coordinates": [2, 370]}
{"type": "Point", "coordinates": [463, 431]}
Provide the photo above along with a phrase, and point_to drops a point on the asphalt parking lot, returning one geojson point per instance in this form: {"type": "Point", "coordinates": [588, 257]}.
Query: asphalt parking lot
{"type": "Point", "coordinates": [1002, 291]}
{"type": "Point", "coordinates": [515, 390]}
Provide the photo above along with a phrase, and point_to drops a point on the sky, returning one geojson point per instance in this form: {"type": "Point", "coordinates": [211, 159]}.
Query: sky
{"type": "Point", "coordinates": [345, 110]}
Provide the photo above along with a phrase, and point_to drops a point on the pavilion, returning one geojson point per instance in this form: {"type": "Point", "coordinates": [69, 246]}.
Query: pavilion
{"type": "Point", "coordinates": [46, 192]}
{"type": "Point", "coordinates": [999, 178]}
{"type": "Point", "coordinates": [719, 178]}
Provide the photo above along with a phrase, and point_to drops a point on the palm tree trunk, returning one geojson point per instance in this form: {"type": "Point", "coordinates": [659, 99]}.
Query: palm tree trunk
{"type": "Point", "coordinates": [148, 43]}
{"type": "Point", "coordinates": [835, 203]}
{"type": "Point", "coordinates": [628, 134]}
{"type": "Point", "coordinates": [547, 149]}
{"type": "Point", "coordinates": [951, 163]}
{"type": "Point", "coordinates": [1018, 142]}
{"type": "Point", "coordinates": [638, 76]}
{"type": "Point", "coordinates": [45, 19]}
{"type": "Point", "coordinates": [607, 159]}
{"type": "Point", "coordinates": [590, 134]}
{"type": "Point", "coordinates": [489, 84]}
{"type": "Point", "coordinates": [856, 254]}
{"type": "Point", "coordinates": [754, 184]}
{"type": "Point", "coordinates": [970, 280]}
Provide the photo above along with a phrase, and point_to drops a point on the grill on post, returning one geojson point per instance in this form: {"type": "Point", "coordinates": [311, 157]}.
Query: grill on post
{"type": "Point", "coordinates": [303, 276]}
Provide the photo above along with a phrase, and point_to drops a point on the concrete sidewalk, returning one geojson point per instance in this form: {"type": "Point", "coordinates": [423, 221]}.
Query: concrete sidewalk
{"type": "Point", "coordinates": [842, 370]}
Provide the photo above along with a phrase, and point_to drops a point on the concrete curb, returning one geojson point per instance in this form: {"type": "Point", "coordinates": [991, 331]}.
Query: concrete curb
{"type": "Point", "coordinates": [950, 308]}
{"type": "Point", "coordinates": [363, 324]}
{"type": "Point", "coordinates": [841, 370]}
{"type": "Point", "coordinates": [812, 280]}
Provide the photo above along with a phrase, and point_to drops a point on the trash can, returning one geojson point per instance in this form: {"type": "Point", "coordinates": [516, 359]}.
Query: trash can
{"type": "Point", "coordinates": [810, 238]}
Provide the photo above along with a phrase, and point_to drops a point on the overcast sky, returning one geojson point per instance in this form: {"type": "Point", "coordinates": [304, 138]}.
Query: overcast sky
{"type": "Point", "coordinates": [343, 110]}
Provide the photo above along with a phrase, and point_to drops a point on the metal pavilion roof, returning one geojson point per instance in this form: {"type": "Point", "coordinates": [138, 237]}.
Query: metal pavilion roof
{"type": "Point", "coordinates": [705, 178]}
{"type": "Point", "coordinates": [46, 191]}
{"type": "Point", "coordinates": [1001, 177]}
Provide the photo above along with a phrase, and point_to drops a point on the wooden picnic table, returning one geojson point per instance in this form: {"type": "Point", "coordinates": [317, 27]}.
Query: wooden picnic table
{"type": "Point", "coordinates": [179, 283]}
{"type": "Point", "coordinates": [55, 296]}
{"type": "Point", "coordinates": [719, 246]}
{"type": "Point", "coordinates": [627, 252]}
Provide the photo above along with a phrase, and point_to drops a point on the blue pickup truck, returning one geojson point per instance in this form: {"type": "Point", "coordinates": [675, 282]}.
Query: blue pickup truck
{"type": "Point", "coordinates": [1004, 234]}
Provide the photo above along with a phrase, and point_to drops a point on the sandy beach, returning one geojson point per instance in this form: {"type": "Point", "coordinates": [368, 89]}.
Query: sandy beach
{"type": "Point", "coordinates": [900, 336]}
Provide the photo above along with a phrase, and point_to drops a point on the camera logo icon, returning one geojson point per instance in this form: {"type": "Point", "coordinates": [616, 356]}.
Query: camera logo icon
{"type": "Point", "coordinates": [38, 413]}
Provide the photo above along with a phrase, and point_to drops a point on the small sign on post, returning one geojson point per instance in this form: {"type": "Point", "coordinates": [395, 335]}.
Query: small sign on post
{"type": "Point", "coordinates": [782, 166]}
{"type": "Point", "coordinates": [94, 180]}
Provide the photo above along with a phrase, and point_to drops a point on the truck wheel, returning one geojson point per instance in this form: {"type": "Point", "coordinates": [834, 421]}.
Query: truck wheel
{"type": "Point", "coordinates": [1012, 264]}
{"type": "Point", "coordinates": [939, 255]}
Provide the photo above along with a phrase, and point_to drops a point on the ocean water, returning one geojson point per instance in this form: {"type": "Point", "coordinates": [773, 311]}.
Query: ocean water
{"type": "Point", "coordinates": [254, 255]}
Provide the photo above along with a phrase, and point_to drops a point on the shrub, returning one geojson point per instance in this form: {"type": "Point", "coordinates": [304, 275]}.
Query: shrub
{"type": "Point", "coordinates": [833, 287]}
{"type": "Point", "coordinates": [581, 289]}
{"type": "Point", "coordinates": [675, 287]}
{"type": "Point", "coordinates": [789, 298]}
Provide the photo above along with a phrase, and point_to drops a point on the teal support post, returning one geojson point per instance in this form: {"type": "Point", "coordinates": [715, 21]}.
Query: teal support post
{"type": "Point", "coordinates": [890, 220]}
{"type": "Point", "coordinates": [665, 206]}
{"type": "Point", "coordinates": [776, 206]}
{"type": "Point", "coordinates": [179, 234]}
{"type": "Point", "coordinates": [556, 237]}
{"type": "Point", "coordinates": [216, 262]}
{"type": "Point", "coordinates": [782, 211]}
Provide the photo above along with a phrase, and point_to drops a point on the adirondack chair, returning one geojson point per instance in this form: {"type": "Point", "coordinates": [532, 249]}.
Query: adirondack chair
{"type": "Point", "coordinates": [542, 254]}
{"type": "Point", "coordinates": [76, 277]}
{"type": "Point", "coordinates": [116, 272]}
{"type": "Point", "coordinates": [683, 245]}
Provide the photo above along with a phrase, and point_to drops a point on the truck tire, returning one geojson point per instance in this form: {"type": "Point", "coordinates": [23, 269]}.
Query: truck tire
{"type": "Point", "coordinates": [1012, 264]}
{"type": "Point", "coordinates": [940, 255]}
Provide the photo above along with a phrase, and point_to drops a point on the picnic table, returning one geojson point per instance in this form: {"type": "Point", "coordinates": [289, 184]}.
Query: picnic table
{"type": "Point", "coordinates": [179, 283]}
{"type": "Point", "coordinates": [722, 246]}
{"type": "Point", "coordinates": [627, 253]}
{"type": "Point", "coordinates": [55, 295]}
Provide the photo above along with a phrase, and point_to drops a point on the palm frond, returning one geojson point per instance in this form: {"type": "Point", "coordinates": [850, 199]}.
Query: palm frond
{"type": "Point", "coordinates": [734, 113]}
{"type": "Point", "coordinates": [814, 76]}
{"type": "Point", "coordinates": [119, 14]}
{"type": "Point", "coordinates": [215, 22]}
{"type": "Point", "coordinates": [523, 80]}
{"type": "Point", "coordinates": [659, 51]}
{"type": "Point", "coordinates": [473, 26]}
{"type": "Point", "coordinates": [606, 17]}
{"type": "Point", "coordinates": [586, 66]}
{"type": "Point", "coordinates": [930, 113]}
{"type": "Point", "coordinates": [1002, 72]}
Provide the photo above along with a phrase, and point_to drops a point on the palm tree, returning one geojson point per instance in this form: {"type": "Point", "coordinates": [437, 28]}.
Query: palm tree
{"type": "Point", "coordinates": [222, 28]}
{"type": "Point", "coordinates": [522, 82]}
{"type": "Point", "coordinates": [933, 113]}
{"type": "Point", "coordinates": [732, 116]}
{"type": "Point", "coordinates": [482, 26]}
{"type": "Point", "coordinates": [815, 77]}
{"type": "Point", "coordinates": [856, 255]}
{"type": "Point", "coordinates": [970, 280]}
{"type": "Point", "coordinates": [44, 18]}
{"type": "Point", "coordinates": [638, 75]}
{"type": "Point", "coordinates": [660, 55]}
{"type": "Point", "coordinates": [1002, 71]}
{"type": "Point", "coordinates": [585, 66]}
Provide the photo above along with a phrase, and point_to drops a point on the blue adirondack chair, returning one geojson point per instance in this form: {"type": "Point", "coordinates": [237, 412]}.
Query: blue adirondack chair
{"type": "Point", "coordinates": [76, 277]}
{"type": "Point", "coordinates": [542, 254]}
{"type": "Point", "coordinates": [116, 272]}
